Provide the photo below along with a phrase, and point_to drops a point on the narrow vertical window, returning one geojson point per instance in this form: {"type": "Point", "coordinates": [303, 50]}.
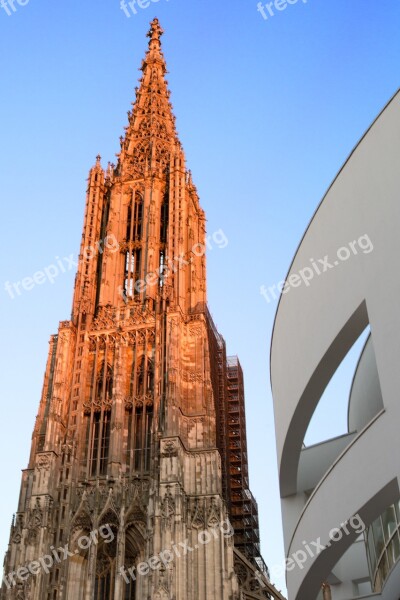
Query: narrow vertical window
{"type": "Point", "coordinates": [150, 376]}
{"type": "Point", "coordinates": [105, 573]}
{"type": "Point", "coordinates": [138, 436]}
{"type": "Point", "coordinates": [105, 443]}
{"type": "Point", "coordinates": [161, 269]}
{"type": "Point", "coordinates": [101, 431]}
{"type": "Point", "coordinates": [95, 443]}
{"type": "Point", "coordinates": [164, 220]}
{"type": "Point", "coordinates": [129, 223]}
{"type": "Point", "coordinates": [132, 272]}
{"type": "Point", "coordinates": [134, 222]}
{"type": "Point", "coordinates": [147, 440]}
{"type": "Point", "coordinates": [130, 590]}
{"type": "Point", "coordinates": [140, 377]}
{"type": "Point", "coordinates": [138, 220]}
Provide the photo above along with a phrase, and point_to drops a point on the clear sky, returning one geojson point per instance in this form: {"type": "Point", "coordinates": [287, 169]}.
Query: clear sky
{"type": "Point", "coordinates": [267, 111]}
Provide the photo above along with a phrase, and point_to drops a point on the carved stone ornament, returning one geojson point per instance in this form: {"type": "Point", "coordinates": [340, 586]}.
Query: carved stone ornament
{"type": "Point", "coordinates": [35, 522]}
{"type": "Point", "coordinates": [168, 506]}
{"type": "Point", "coordinates": [17, 533]}
{"type": "Point", "coordinates": [213, 514]}
{"type": "Point", "coordinates": [43, 462]}
{"type": "Point", "coordinates": [82, 522]}
{"type": "Point", "coordinates": [22, 590]}
{"type": "Point", "coordinates": [169, 448]}
{"type": "Point", "coordinates": [198, 521]}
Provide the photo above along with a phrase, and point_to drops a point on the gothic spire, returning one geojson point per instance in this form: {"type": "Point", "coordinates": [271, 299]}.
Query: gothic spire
{"type": "Point", "coordinates": [151, 139]}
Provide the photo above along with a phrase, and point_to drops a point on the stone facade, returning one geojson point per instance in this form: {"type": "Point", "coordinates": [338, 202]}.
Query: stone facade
{"type": "Point", "coordinates": [125, 471]}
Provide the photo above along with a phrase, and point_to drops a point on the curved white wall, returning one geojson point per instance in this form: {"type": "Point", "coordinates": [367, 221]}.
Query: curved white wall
{"type": "Point", "coordinates": [316, 325]}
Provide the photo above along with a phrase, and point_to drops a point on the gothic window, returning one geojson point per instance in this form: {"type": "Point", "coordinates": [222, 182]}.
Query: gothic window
{"type": "Point", "coordinates": [147, 440]}
{"type": "Point", "coordinates": [105, 574]}
{"type": "Point", "coordinates": [143, 427]}
{"type": "Point", "coordinates": [135, 219]}
{"type": "Point", "coordinates": [130, 590]}
{"type": "Point", "coordinates": [144, 376]}
{"type": "Point", "coordinates": [164, 220]}
{"type": "Point", "coordinates": [129, 561]}
{"type": "Point", "coordinates": [129, 223]}
{"type": "Point", "coordinates": [97, 442]}
{"type": "Point", "coordinates": [138, 218]}
{"type": "Point", "coordinates": [140, 377]}
{"type": "Point", "coordinates": [140, 415]}
{"type": "Point", "coordinates": [138, 436]}
{"type": "Point", "coordinates": [103, 587]}
{"type": "Point", "coordinates": [132, 272]}
{"type": "Point", "coordinates": [161, 269]}
{"type": "Point", "coordinates": [150, 375]}
{"type": "Point", "coordinates": [104, 381]}
{"type": "Point", "coordinates": [100, 443]}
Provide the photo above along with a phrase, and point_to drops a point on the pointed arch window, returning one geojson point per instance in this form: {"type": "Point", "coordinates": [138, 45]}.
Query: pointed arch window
{"type": "Point", "coordinates": [104, 382]}
{"type": "Point", "coordinates": [143, 420]}
{"type": "Point", "coordinates": [130, 590]}
{"type": "Point", "coordinates": [129, 223]}
{"type": "Point", "coordinates": [150, 375]}
{"type": "Point", "coordinates": [140, 377]}
{"type": "Point", "coordinates": [102, 590]}
{"type": "Point", "coordinates": [100, 443]}
{"type": "Point", "coordinates": [105, 571]}
{"type": "Point", "coordinates": [99, 423]}
{"type": "Point", "coordinates": [134, 227]}
{"type": "Point", "coordinates": [139, 416]}
{"type": "Point", "coordinates": [132, 272]}
{"type": "Point", "coordinates": [164, 219]}
{"type": "Point", "coordinates": [131, 557]}
{"type": "Point", "coordinates": [144, 376]}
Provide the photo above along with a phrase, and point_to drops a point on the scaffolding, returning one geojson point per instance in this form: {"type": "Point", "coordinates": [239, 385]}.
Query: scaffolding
{"type": "Point", "coordinates": [228, 388]}
{"type": "Point", "coordinates": [243, 505]}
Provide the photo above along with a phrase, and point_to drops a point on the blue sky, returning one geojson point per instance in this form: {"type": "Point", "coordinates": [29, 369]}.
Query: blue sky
{"type": "Point", "coordinates": [267, 111]}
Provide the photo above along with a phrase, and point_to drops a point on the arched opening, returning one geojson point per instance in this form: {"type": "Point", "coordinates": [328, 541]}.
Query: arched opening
{"type": "Point", "coordinates": [130, 561]}
{"type": "Point", "coordinates": [105, 571]}
{"type": "Point", "coordinates": [106, 558]}
{"type": "Point", "coordinates": [77, 577]}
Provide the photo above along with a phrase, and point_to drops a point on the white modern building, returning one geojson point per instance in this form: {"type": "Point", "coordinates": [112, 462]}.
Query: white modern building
{"type": "Point", "coordinates": [344, 278]}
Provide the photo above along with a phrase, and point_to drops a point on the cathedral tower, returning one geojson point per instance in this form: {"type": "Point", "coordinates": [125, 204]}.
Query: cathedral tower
{"type": "Point", "coordinates": [127, 493]}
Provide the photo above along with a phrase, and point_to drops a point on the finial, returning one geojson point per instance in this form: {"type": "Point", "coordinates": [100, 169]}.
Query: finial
{"type": "Point", "coordinates": [98, 159]}
{"type": "Point", "coordinates": [156, 30]}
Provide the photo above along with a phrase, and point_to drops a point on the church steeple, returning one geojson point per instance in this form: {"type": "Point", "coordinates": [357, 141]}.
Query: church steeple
{"type": "Point", "coordinates": [149, 206]}
{"type": "Point", "coordinates": [134, 398]}
{"type": "Point", "coordinates": [151, 121]}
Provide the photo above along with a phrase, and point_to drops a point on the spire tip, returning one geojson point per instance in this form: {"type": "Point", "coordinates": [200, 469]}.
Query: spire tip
{"type": "Point", "coordinates": [155, 31]}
